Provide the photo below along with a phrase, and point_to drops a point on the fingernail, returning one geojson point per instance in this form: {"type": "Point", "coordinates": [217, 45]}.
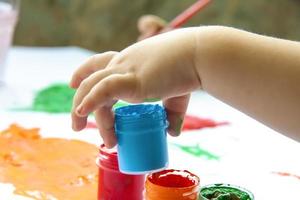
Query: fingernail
{"type": "Point", "coordinates": [79, 125]}
{"type": "Point", "coordinates": [172, 132]}
{"type": "Point", "coordinates": [74, 127]}
{"type": "Point", "coordinates": [80, 110]}
{"type": "Point", "coordinates": [72, 85]}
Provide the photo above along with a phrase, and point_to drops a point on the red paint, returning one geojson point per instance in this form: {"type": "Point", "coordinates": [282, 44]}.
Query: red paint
{"type": "Point", "coordinates": [190, 123]}
{"type": "Point", "coordinates": [173, 178]}
{"type": "Point", "coordinates": [193, 122]}
{"type": "Point", "coordinates": [114, 185]}
{"type": "Point", "coordinates": [286, 174]}
{"type": "Point", "coordinates": [172, 185]}
{"type": "Point", "coordinates": [91, 125]}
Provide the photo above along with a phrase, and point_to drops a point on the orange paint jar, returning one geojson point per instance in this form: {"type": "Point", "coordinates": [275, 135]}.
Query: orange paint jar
{"type": "Point", "coordinates": [172, 185]}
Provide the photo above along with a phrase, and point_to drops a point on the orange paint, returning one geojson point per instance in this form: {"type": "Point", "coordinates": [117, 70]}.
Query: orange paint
{"type": "Point", "coordinates": [172, 185]}
{"type": "Point", "coordinates": [287, 174]}
{"type": "Point", "coordinates": [47, 168]}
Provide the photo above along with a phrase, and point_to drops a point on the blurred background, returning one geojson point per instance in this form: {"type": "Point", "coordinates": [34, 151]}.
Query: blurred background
{"type": "Point", "coordinates": [101, 25]}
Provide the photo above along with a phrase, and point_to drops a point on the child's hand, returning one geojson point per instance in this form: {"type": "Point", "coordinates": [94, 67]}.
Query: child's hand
{"type": "Point", "coordinates": [150, 25]}
{"type": "Point", "coordinates": [161, 67]}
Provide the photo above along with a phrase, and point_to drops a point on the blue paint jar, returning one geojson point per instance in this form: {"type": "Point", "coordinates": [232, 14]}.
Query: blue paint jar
{"type": "Point", "coordinates": [141, 137]}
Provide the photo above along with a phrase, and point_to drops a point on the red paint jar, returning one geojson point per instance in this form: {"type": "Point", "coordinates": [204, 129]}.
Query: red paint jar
{"type": "Point", "coordinates": [172, 185]}
{"type": "Point", "coordinates": [113, 185]}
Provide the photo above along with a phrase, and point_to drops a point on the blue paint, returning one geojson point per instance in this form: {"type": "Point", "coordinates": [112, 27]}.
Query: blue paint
{"type": "Point", "coordinates": [141, 135]}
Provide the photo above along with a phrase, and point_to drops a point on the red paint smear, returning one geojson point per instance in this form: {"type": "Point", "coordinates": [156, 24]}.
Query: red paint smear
{"type": "Point", "coordinates": [174, 178]}
{"type": "Point", "coordinates": [286, 174]}
{"type": "Point", "coordinates": [194, 122]}
{"type": "Point", "coordinates": [91, 125]}
{"type": "Point", "coordinates": [190, 123]}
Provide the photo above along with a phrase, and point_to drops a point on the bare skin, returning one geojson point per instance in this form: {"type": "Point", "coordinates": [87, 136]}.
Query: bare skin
{"type": "Point", "coordinates": [257, 74]}
{"type": "Point", "coordinates": [149, 25]}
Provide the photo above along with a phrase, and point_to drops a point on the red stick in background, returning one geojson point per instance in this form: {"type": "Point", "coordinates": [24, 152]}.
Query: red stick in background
{"type": "Point", "coordinates": [188, 14]}
{"type": "Point", "coordinates": [182, 18]}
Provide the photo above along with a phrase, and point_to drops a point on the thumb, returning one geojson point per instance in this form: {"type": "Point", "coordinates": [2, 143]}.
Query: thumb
{"type": "Point", "coordinates": [176, 108]}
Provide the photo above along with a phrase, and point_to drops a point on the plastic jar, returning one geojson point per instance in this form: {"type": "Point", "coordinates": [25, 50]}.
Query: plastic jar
{"type": "Point", "coordinates": [141, 137]}
{"type": "Point", "coordinates": [172, 185]}
{"type": "Point", "coordinates": [114, 185]}
{"type": "Point", "coordinates": [224, 191]}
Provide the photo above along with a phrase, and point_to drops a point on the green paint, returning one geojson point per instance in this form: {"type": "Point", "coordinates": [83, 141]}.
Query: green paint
{"type": "Point", "coordinates": [152, 100]}
{"type": "Point", "coordinates": [178, 125]}
{"type": "Point", "coordinates": [198, 152]}
{"type": "Point", "coordinates": [56, 98]}
{"type": "Point", "coordinates": [225, 192]}
{"type": "Point", "coordinates": [120, 104]}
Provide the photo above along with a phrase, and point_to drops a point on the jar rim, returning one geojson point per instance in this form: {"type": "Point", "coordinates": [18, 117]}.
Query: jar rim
{"type": "Point", "coordinates": [140, 112]}
{"type": "Point", "coordinates": [155, 190]}
{"type": "Point", "coordinates": [108, 152]}
{"type": "Point", "coordinates": [226, 185]}
{"type": "Point", "coordinates": [107, 157]}
{"type": "Point", "coordinates": [196, 179]}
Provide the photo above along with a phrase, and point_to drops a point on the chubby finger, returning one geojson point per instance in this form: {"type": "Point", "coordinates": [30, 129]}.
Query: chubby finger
{"type": "Point", "coordinates": [79, 122]}
{"type": "Point", "coordinates": [94, 63]}
{"type": "Point", "coordinates": [114, 87]}
{"type": "Point", "coordinates": [105, 122]}
{"type": "Point", "coordinates": [176, 108]}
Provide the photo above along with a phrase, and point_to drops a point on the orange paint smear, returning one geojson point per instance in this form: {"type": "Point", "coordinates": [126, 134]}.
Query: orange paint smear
{"type": "Point", "coordinates": [287, 174]}
{"type": "Point", "coordinates": [47, 168]}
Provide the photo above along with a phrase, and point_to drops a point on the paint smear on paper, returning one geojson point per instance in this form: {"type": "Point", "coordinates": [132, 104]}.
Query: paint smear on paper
{"type": "Point", "coordinates": [194, 123]}
{"type": "Point", "coordinates": [197, 151]}
{"type": "Point", "coordinates": [47, 168]}
{"type": "Point", "coordinates": [56, 98]}
{"type": "Point", "coordinates": [286, 174]}
{"type": "Point", "coordinates": [91, 125]}
{"type": "Point", "coordinates": [189, 123]}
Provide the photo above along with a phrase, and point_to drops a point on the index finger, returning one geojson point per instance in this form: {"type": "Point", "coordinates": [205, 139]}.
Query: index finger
{"type": "Point", "coordinates": [94, 63]}
{"type": "Point", "coordinates": [114, 87]}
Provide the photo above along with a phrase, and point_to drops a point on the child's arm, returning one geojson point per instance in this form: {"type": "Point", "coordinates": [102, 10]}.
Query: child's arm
{"type": "Point", "coordinates": [259, 75]}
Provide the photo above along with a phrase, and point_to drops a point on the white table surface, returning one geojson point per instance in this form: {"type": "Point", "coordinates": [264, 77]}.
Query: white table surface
{"type": "Point", "coordinates": [249, 151]}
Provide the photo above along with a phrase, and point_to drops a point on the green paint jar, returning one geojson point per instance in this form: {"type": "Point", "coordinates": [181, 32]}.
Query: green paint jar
{"type": "Point", "coordinates": [224, 192]}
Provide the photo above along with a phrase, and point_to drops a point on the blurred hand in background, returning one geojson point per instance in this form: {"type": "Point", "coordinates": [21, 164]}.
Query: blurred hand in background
{"type": "Point", "coordinates": [149, 25]}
